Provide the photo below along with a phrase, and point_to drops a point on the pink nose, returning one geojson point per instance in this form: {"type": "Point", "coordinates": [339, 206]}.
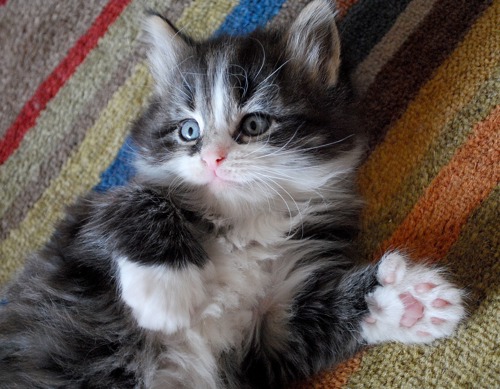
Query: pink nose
{"type": "Point", "coordinates": [213, 159]}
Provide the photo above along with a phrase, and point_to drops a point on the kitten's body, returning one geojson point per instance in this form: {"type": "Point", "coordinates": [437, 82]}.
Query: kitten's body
{"type": "Point", "coordinates": [229, 261]}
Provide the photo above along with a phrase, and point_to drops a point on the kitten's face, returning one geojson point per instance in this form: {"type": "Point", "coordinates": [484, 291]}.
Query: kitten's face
{"type": "Point", "coordinates": [250, 119]}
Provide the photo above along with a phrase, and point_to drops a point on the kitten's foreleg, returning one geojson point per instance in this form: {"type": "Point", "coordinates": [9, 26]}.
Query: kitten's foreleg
{"type": "Point", "coordinates": [334, 313]}
{"type": "Point", "coordinates": [319, 325]}
{"type": "Point", "coordinates": [157, 254]}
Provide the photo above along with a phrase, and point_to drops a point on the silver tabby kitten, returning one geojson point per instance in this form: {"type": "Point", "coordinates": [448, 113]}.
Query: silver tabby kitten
{"type": "Point", "coordinates": [228, 262]}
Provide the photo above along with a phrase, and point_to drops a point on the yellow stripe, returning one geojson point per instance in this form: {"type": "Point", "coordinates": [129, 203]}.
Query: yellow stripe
{"type": "Point", "coordinates": [202, 20]}
{"type": "Point", "coordinates": [454, 84]}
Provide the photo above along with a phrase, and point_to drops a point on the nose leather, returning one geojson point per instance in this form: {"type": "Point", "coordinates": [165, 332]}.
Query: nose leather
{"type": "Point", "coordinates": [213, 158]}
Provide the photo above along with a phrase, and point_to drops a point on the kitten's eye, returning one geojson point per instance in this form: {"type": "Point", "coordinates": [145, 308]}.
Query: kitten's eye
{"type": "Point", "coordinates": [255, 124]}
{"type": "Point", "coordinates": [189, 130]}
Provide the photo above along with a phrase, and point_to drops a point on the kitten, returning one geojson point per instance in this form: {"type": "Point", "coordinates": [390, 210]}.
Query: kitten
{"type": "Point", "coordinates": [229, 261]}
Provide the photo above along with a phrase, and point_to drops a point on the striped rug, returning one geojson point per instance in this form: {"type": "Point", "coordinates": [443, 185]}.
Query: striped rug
{"type": "Point", "coordinates": [72, 77]}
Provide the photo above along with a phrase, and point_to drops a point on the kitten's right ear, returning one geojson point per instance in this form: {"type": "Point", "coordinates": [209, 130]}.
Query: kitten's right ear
{"type": "Point", "coordinates": [166, 46]}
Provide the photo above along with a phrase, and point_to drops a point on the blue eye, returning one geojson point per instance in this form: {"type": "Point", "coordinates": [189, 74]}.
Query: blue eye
{"type": "Point", "coordinates": [189, 130]}
{"type": "Point", "coordinates": [255, 124]}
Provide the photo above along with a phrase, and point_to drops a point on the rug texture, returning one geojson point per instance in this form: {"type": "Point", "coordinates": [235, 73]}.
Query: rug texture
{"type": "Point", "coordinates": [73, 77]}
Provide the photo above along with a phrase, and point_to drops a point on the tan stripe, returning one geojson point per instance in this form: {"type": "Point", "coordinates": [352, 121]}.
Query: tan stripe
{"type": "Point", "coordinates": [435, 222]}
{"type": "Point", "coordinates": [97, 150]}
{"type": "Point", "coordinates": [54, 123]}
{"type": "Point", "coordinates": [52, 163]}
{"type": "Point", "coordinates": [407, 22]}
{"type": "Point", "coordinates": [201, 20]}
{"type": "Point", "coordinates": [455, 82]}
{"type": "Point", "coordinates": [381, 225]}
{"type": "Point", "coordinates": [43, 38]}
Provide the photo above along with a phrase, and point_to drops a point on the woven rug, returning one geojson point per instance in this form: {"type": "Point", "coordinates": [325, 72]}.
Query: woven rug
{"type": "Point", "coordinates": [72, 77]}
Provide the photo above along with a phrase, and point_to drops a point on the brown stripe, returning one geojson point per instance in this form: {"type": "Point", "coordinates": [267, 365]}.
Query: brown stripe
{"type": "Point", "coordinates": [49, 35]}
{"type": "Point", "coordinates": [446, 132]}
{"type": "Point", "coordinates": [401, 78]}
{"type": "Point", "coordinates": [52, 165]}
{"type": "Point", "coordinates": [407, 22]}
{"type": "Point", "coordinates": [434, 224]}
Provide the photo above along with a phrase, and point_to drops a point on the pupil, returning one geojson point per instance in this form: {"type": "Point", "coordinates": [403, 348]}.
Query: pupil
{"type": "Point", "coordinates": [253, 125]}
{"type": "Point", "coordinates": [190, 132]}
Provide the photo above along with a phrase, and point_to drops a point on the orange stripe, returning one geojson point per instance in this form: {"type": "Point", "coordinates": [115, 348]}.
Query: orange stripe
{"type": "Point", "coordinates": [435, 222]}
{"type": "Point", "coordinates": [344, 5]}
{"type": "Point", "coordinates": [333, 379]}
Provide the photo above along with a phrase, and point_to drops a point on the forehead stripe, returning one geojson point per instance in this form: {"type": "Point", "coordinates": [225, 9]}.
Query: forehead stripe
{"type": "Point", "coordinates": [219, 97]}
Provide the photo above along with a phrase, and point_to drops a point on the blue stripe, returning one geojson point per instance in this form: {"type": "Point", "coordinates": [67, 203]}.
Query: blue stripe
{"type": "Point", "coordinates": [120, 171]}
{"type": "Point", "coordinates": [244, 18]}
{"type": "Point", "coordinates": [249, 15]}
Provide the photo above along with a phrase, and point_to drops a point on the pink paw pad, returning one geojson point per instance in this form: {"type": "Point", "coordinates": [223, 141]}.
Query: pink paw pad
{"type": "Point", "coordinates": [440, 303]}
{"type": "Point", "coordinates": [414, 310]}
{"type": "Point", "coordinates": [424, 287]}
{"type": "Point", "coordinates": [437, 320]}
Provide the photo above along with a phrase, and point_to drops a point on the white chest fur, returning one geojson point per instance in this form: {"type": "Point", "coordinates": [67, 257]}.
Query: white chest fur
{"type": "Point", "coordinates": [218, 300]}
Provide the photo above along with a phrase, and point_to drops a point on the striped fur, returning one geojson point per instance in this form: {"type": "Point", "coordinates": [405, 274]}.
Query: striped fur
{"type": "Point", "coordinates": [40, 177]}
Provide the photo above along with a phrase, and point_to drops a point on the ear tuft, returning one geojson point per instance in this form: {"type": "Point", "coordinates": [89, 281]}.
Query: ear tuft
{"type": "Point", "coordinates": [166, 46]}
{"type": "Point", "coordinates": [313, 42]}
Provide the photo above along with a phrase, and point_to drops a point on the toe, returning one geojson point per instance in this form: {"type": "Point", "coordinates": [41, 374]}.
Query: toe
{"type": "Point", "coordinates": [440, 303]}
{"type": "Point", "coordinates": [424, 287]}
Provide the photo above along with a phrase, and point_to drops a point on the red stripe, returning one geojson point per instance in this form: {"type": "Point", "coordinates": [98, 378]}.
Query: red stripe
{"type": "Point", "coordinates": [3, 2]}
{"type": "Point", "coordinates": [54, 82]}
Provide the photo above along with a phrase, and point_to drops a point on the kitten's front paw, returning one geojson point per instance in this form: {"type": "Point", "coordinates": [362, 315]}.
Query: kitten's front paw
{"type": "Point", "coordinates": [415, 304]}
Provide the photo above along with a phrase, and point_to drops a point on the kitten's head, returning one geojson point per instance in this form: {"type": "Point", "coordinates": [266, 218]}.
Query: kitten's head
{"type": "Point", "coordinates": [248, 120]}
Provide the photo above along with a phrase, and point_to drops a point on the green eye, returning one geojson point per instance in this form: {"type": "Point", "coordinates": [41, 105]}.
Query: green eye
{"type": "Point", "coordinates": [255, 124]}
{"type": "Point", "coordinates": [189, 130]}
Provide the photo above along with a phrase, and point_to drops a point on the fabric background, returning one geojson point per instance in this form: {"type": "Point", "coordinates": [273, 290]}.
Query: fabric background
{"type": "Point", "coordinates": [72, 78]}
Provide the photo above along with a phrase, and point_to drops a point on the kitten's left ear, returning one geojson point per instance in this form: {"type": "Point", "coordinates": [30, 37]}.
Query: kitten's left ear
{"type": "Point", "coordinates": [167, 46]}
{"type": "Point", "coordinates": [313, 42]}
